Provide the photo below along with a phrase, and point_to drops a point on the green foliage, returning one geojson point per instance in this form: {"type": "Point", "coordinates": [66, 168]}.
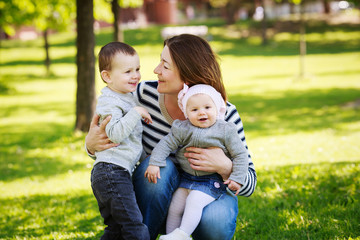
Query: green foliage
{"type": "Point", "coordinates": [130, 3]}
{"type": "Point", "coordinates": [43, 14]}
{"type": "Point", "coordinates": [15, 13]}
{"type": "Point", "coordinates": [102, 11]}
{"type": "Point", "coordinates": [303, 135]}
{"type": "Point", "coordinates": [356, 3]}
{"type": "Point", "coordinates": [54, 14]}
{"type": "Point", "coordinates": [218, 3]}
{"type": "Point", "coordinates": [51, 14]}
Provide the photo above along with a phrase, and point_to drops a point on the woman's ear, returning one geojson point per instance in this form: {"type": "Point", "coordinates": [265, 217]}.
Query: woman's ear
{"type": "Point", "coordinates": [105, 75]}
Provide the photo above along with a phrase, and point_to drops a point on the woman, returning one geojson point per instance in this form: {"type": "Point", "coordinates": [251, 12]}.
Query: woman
{"type": "Point", "coordinates": [185, 59]}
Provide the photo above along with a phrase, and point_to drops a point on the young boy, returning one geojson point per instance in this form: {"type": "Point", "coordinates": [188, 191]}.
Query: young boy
{"type": "Point", "coordinates": [111, 175]}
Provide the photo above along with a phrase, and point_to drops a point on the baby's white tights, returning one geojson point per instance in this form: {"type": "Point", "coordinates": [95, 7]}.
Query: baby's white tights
{"type": "Point", "coordinates": [186, 209]}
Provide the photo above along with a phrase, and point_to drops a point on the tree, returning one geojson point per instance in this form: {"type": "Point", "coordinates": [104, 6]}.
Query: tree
{"type": "Point", "coordinates": [42, 14]}
{"type": "Point", "coordinates": [230, 7]}
{"type": "Point", "coordinates": [356, 4]}
{"type": "Point", "coordinates": [116, 7]}
{"type": "Point", "coordinates": [52, 15]}
{"type": "Point", "coordinates": [118, 33]}
{"type": "Point", "coordinates": [262, 4]}
{"type": "Point", "coordinates": [14, 14]}
{"type": "Point", "coordinates": [302, 37]}
{"type": "Point", "coordinates": [103, 9]}
{"type": "Point", "coordinates": [302, 43]}
{"type": "Point", "coordinates": [85, 59]}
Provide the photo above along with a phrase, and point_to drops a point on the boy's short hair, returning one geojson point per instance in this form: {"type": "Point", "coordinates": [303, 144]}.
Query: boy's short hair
{"type": "Point", "coordinates": [108, 52]}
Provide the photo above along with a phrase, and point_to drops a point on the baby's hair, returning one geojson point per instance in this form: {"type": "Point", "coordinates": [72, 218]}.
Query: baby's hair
{"type": "Point", "coordinates": [108, 52]}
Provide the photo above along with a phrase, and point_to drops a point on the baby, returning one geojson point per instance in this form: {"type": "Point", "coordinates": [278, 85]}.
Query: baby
{"type": "Point", "coordinates": [205, 127]}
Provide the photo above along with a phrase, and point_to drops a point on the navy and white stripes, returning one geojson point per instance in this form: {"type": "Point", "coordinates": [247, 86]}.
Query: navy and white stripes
{"type": "Point", "coordinates": [148, 97]}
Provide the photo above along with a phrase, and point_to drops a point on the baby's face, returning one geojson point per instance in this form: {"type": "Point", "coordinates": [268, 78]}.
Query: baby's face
{"type": "Point", "coordinates": [125, 73]}
{"type": "Point", "coordinates": [201, 110]}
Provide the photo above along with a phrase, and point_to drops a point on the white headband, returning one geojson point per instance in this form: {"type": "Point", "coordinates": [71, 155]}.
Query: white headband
{"type": "Point", "coordinates": [187, 92]}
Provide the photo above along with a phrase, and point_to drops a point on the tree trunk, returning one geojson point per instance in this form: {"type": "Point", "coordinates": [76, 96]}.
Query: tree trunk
{"type": "Point", "coordinates": [302, 43]}
{"type": "Point", "coordinates": [264, 25]}
{"type": "Point", "coordinates": [85, 95]}
{"type": "Point", "coordinates": [46, 46]}
{"type": "Point", "coordinates": [118, 33]}
{"type": "Point", "coordinates": [326, 5]}
{"type": "Point", "coordinates": [230, 10]}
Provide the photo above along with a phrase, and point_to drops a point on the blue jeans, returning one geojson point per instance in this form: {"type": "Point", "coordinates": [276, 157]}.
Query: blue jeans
{"type": "Point", "coordinates": [217, 222]}
{"type": "Point", "coordinates": [114, 192]}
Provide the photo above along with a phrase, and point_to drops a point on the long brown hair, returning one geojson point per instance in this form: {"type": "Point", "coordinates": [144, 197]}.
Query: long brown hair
{"type": "Point", "coordinates": [196, 61]}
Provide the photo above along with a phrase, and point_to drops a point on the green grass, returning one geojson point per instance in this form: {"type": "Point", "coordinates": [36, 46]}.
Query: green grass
{"type": "Point", "coordinates": [303, 134]}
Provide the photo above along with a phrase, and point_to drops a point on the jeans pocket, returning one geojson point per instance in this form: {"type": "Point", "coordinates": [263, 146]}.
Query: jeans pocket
{"type": "Point", "coordinates": [101, 182]}
{"type": "Point", "coordinates": [217, 188]}
{"type": "Point", "coordinates": [98, 173]}
{"type": "Point", "coordinates": [230, 192]}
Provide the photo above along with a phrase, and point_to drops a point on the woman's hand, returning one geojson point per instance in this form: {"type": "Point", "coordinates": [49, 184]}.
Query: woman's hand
{"type": "Point", "coordinates": [209, 160]}
{"type": "Point", "coordinates": [96, 140]}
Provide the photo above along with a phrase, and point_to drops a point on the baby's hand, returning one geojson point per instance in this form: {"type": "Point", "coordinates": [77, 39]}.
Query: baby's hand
{"type": "Point", "coordinates": [233, 186]}
{"type": "Point", "coordinates": [144, 114]}
{"type": "Point", "coordinates": [152, 173]}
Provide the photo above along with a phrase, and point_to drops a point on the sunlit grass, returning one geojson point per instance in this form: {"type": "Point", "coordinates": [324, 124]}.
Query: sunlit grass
{"type": "Point", "coordinates": [318, 202]}
{"type": "Point", "coordinates": [303, 134]}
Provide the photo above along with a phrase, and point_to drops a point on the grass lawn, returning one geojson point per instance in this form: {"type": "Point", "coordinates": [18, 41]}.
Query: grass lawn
{"type": "Point", "coordinates": [303, 134]}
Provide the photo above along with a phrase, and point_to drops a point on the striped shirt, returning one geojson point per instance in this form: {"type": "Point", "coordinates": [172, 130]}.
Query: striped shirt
{"type": "Point", "coordinates": [149, 98]}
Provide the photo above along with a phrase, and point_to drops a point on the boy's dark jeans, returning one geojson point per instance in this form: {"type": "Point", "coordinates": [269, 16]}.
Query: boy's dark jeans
{"type": "Point", "coordinates": [114, 192]}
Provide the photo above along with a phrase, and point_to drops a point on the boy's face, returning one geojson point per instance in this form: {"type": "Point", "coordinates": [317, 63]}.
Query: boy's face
{"type": "Point", "coordinates": [124, 74]}
{"type": "Point", "coordinates": [201, 110]}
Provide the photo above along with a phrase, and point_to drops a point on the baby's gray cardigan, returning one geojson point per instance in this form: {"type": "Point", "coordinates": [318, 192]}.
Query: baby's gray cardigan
{"type": "Point", "coordinates": [222, 134]}
{"type": "Point", "coordinates": [124, 127]}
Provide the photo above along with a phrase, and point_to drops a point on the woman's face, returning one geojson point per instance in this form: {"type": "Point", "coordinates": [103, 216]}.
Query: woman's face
{"type": "Point", "coordinates": [168, 74]}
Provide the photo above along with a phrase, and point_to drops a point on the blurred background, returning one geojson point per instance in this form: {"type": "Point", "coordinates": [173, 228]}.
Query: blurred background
{"type": "Point", "coordinates": [28, 20]}
{"type": "Point", "coordinates": [292, 68]}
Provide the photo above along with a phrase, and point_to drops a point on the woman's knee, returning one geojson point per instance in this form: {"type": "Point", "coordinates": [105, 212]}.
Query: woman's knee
{"type": "Point", "coordinates": [218, 220]}
{"type": "Point", "coordinates": [154, 199]}
{"type": "Point", "coordinates": [169, 180]}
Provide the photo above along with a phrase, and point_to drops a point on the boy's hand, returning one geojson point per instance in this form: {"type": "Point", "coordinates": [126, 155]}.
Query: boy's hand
{"type": "Point", "coordinates": [233, 186]}
{"type": "Point", "coordinates": [144, 114]}
{"type": "Point", "coordinates": [152, 173]}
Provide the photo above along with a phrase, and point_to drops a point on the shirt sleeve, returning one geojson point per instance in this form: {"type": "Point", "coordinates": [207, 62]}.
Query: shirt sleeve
{"type": "Point", "coordinates": [121, 125]}
{"type": "Point", "coordinates": [238, 154]}
{"type": "Point", "coordinates": [89, 154]}
{"type": "Point", "coordinates": [166, 145]}
{"type": "Point", "coordinates": [249, 185]}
